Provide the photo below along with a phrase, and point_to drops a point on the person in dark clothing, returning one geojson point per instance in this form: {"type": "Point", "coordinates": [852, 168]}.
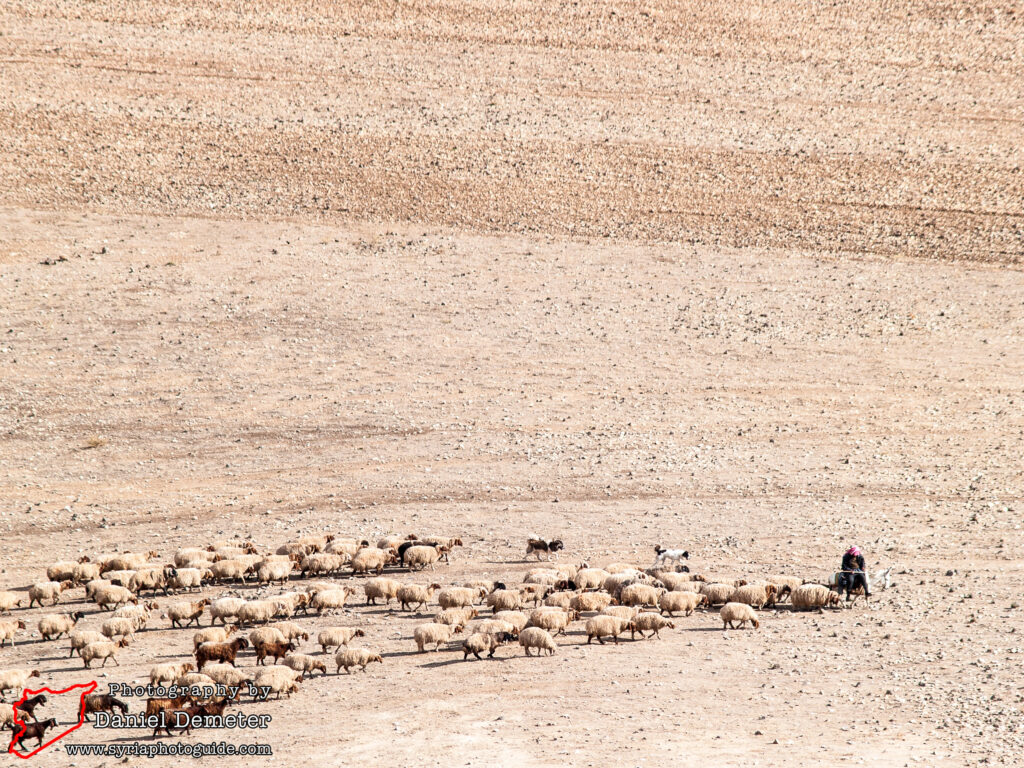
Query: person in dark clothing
{"type": "Point", "coordinates": [853, 574]}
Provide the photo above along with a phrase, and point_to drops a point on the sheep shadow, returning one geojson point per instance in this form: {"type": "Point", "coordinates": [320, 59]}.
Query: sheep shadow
{"type": "Point", "coordinates": [449, 662]}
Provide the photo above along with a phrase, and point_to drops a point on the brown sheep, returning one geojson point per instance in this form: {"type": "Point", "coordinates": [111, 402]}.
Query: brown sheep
{"type": "Point", "coordinates": [224, 652]}
{"type": "Point", "coordinates": [277, 650]}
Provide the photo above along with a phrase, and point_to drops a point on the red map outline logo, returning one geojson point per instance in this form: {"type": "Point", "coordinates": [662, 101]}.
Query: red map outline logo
{"type": "Point", "coordinates": [89, 688]}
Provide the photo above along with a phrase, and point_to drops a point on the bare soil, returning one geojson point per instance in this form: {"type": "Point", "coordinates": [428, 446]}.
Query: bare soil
{"type": "Point", "coordinates": [743, 280]}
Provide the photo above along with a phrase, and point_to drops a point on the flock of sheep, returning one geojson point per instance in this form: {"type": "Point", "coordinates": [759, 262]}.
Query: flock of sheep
{"type": "Point", "coordinates": [611, 601]}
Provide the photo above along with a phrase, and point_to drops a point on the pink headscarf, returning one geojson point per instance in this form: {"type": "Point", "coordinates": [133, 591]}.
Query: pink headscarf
{"type": "Point", "coordinates": [854, 550]}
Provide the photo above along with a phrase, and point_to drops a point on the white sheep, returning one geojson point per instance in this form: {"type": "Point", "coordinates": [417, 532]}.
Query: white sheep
{"type": "Point", "coordinates": [122, 627]}
{"type": "Point", "coordinates": [421, 557]}
{"type": "Point", "coordinates": [279, 679]}
{"type": "Point", "coordinates": [225, 608]}
{"type": "Point", "coordinates": [616, 568]}
{"type": "Point", "coordinates": [121, 578]}
{"type": "Point", "coordinates": [230, 570]}
{"type": "Point", "coordinates": [345, 547]}
{"type": "Point", "coordinates": [590, 601]}
{"type": "Point", "coordinates": [517, 619]}
{"type": "Point", "coordinates": [190, 578]}
{"type": "Point", "coordinates": [785, 581]}
{"type": "Point", "coordinates": [456, 617]}
{"type": "Point", "coordinates": [169, 673]}
{"type": "Point", "coordinates": [640, 594]}
{"type": "Point", "coordinates": [47, 591]}
{"type": "Point", "coordinates": [304, 663]}
{"type": "Point", "coordinates": [95, 584]}
{"type": "Point", "coordinates": [809, 597]}
{"type": "Point", "coordinates": [265, 635]}
{"type": "Point", "coordinates": [738, 612]}
{"type": "Point", "coordinates": [460, 597]}
{"type": "Point", "coordinates": [14, 680]}
{"type": "Point", "coordinates": [551, 619]}
{"type": "Point", "coordinates": [323, 562]}
{"type": "Point", "coordinates": [590, 578]}
{"type": "Point", "coordinates": [483, 641]}
{"type": "Point", "coordinates": [152, 579]}
{"type": "Point", "coordinates": [212, 635]}
{"type": "Point", "coordinates": [9, 601]}
{"type": "Point", "coordinates": [274, 571]}
{"type": "Point", "coordinates": [335, 637]}
{"type": "Point", "coordinates": [545, 576]}
{"type": "Point", "coordinates": [504, 600]}
{"type": "Point", "coordinates": [192, 557]}
{"type": "Point", "coordinates": [102, 650]}
{"type": "Point", "coordinates": [289, 603]}
{"type": "Point", "coordinates": [193, 679]}
{"type": "Point", "coordinates": [290, 630]}
{"type": "Point", "coordinates": [415, 595]}
{"type": "Point", "coordinates": [492, 627]}
{"type": "Point", "coordinates": [8, 629]}
{"type": "Point", "coordinates": [679, 582]}
{"type": "Point", "coordinates": [137, 613]}
{"type": "Point", "coordinates": [256, 612]}
{"type": "Point", "coordinates": [602, 626]}
{"type": "Point", "coordinates": [427, 634]}
{"type": "Point", "coordinates": [184, 613]}
{"type": "Point", "coordinates": [621, 611]}
{"type": "Point", "coordinates": [486, 585]}
{"type": "Point", "coordinates": [82, 637]}
{"type": "Point", "coordinates": [372, 559]}
{"type": "Point", "coordinates": [113, 597]}
{"type": "Point", "coordinates": [226, 674]}
{"type": "Point", "coordinates": [330, 600]}
{"type": "Point", "coordinates": [85, 572]}
{"type": "Point", "coordinates": [53, 625]}
{"type": "Point", "coordinates": [355, 657]}
{"type": "Point", "coordinates": [651, 622]}
{"type": "Point", "coordinates": [757, 595]}
{"type": "Point", "coordinates": [717, 593]}
{"type": "Point", "coordinates": [126, 561]}
{"type": "Point", "coordinates": [381, 588]}
{"type": "Point", "coordinates": [534, 593]}
{"type": "Point", "coordinates": [535, 637]}
{"type": "Point", "coordinates": [561, 600]}
{"type": "Point", "coordinates": [685, 602]}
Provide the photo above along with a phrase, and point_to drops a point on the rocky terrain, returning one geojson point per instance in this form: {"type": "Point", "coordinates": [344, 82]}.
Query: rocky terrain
{"type": "Point", "coordinates": [744, 280]}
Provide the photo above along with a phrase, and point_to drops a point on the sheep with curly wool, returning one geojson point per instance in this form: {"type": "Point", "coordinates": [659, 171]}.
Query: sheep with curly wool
{"type": "Point", "coordinates": [330, 600]}
{"type": "Point", "coordinates": [540, 639]}
{"type": "Point", "coordinates": [48, 591]}
{"type": "Point", "coordinates": [8, 629]}
{"type": "Point", "coordinates": [433, 634]}
{"type": "Point", "coordinates": [335, 637]}
{"type": "Point", "coordinates": [415, 595]}
{"type": "Point", "coordinates": [602, 626]}
{"type": "Point", "coordinates": [484, 641]}
{"type": "Point", "coordinates": [461, 597]}
{"type": "Point", "coordinates": [52, 626]}
{"type": "Point", "coordinates": [813, 597]}
{"type": "Point", "coordinates": [686, 603]}
{"type": "Point", "coordinates": [169, 673]}
{"type": "Point", "coordinates": [732, 613]}
{"type": "Point", "coordinates": [586, 602]}
{"type": "Point", "coordinates": [554, 620]}
{"type": "Point", "coordinates": [355, 657]}
{"type": "Point", "coordinates": [649, 622]}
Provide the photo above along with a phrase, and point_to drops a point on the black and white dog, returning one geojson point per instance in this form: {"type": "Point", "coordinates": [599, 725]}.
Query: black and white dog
{"type": "Point", "coordinates": [535, 546]}
{"type": "Point", "coordinates": [676, 556]}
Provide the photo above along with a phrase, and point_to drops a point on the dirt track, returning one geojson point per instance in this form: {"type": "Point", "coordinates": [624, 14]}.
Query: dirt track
{"type": "Point", "coordinates": [622, 275]}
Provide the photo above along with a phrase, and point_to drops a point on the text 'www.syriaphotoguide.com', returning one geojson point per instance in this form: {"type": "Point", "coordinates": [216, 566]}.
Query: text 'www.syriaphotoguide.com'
{"type": "Point", "coordinates": [171, 749]}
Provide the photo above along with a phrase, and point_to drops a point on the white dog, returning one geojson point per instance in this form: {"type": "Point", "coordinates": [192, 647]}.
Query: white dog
{"type": "Point", "coordinates": [676, 556]}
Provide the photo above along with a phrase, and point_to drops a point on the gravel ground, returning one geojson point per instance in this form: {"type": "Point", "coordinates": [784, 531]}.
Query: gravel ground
{"type": "Point", "coordinates": [744, 281]}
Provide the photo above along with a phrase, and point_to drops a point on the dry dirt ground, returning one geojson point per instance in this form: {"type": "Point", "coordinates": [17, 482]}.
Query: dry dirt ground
{"type": "Point", "coordinates": [741, 278]}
